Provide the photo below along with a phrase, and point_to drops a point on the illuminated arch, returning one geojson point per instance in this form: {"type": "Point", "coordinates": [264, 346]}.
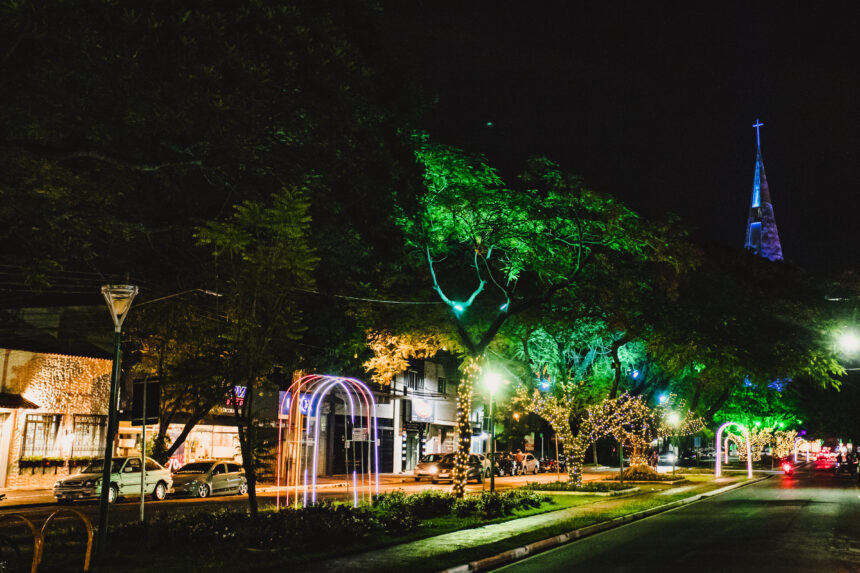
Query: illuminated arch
{"type": "Point", "coordinates": [300, 418]}
{"type": "Point", "coordinates": [739, 442]}
{"type": "Point", "coordinates": [718, 470]}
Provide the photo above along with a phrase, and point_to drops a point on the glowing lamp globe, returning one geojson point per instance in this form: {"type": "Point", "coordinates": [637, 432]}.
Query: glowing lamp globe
{"type": "Point", "coordinates": [492, 380]}
{"type": "Point", "coordinates": [673, 418]}
{"type": "Point", "coordinates": [849, 342]}
{"type": "Point", "coordinates": [118, 299]}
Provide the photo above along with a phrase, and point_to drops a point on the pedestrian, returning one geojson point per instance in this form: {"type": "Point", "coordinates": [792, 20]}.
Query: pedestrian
{"type": "Point", "coordinates": [654, 459]}
{"type": "Point", "coordinates": [519, 458]}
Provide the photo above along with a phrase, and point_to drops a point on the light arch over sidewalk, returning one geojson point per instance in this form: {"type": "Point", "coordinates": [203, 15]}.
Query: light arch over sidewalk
{"type": "Point", "coordinates": [299, 416]}
{"type": "Point", "coordinates": [718, 470]}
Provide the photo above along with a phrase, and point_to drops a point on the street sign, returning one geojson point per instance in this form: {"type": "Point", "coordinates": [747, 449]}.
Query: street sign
{"type": "Point", "coordinates": [153, 402]}
{"type": "Point", "coordinates": [359, 434]}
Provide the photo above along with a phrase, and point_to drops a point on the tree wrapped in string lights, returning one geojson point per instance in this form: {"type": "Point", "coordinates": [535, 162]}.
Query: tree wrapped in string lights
{"type": "Point", "coordinates": [784, 443]}
{"type": "Point", "coordinates": [554, 409]}
{"type": "Point", "coordinates": [626, 418]}
{"type": "Point", "coordinates": [759, 438]}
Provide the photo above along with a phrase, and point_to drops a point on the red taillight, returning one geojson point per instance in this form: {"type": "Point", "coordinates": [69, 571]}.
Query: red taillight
{"type": "Point", "coordinates": [786, 467]}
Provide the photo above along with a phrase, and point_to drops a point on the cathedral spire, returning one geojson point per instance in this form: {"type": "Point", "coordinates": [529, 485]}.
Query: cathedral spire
{"type": "Point", "coordinates": [762, 236]}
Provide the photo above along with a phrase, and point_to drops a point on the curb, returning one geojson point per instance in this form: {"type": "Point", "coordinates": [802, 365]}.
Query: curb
{"type": "Point", "coordinates": [535, 547]}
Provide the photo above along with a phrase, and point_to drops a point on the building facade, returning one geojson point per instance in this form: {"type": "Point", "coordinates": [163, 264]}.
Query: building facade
{"type": "Point", "coordinates": [53, 415]}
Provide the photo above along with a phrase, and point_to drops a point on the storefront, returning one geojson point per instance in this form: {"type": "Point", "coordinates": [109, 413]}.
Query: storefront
{"type": "Point", "coordinates": [214, 439]}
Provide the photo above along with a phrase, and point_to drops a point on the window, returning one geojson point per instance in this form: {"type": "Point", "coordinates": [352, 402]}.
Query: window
{"type": "Point", "coordinates": [219, 469]}
{"type": "Point", "coordinates": [414, 381]}
{"type": "Point", "coordinates": [151, 466]}
{"type": "Point", "coordinates": [443, 386]}
{"type": "Point", "coordinates": [132, 466]}
{"type": "Point", "coordinates": [233, 468]}
{"type": "Point", "coordinates": [40, 436]}
{"type": "Point", "coordinates": [89, 436]}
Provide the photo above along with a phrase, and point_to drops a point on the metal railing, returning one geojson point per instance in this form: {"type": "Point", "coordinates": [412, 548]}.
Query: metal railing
{"type": "Point", "coordinates": [39, 535]}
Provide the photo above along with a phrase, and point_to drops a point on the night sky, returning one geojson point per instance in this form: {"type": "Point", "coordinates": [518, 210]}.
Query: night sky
{"type": "Point", "coordinates": [656, 107]}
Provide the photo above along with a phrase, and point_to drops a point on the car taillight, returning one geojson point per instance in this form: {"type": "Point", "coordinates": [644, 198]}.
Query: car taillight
{"type": "Point", "coordinates": [786, 467]}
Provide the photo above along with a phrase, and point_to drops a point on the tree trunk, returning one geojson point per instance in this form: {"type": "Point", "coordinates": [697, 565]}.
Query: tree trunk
{"type": "Point", "coordinates": [464, 427]}
{"type": "Point", "coordinates": [709, 415]}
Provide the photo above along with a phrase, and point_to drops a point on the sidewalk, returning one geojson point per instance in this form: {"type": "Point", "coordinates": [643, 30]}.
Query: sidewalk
{"type": "Point", "coordinates": [430, 548]}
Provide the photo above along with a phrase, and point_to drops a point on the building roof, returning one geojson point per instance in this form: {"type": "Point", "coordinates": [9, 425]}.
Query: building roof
{"type": "Point", "coordinates": [9, 400]}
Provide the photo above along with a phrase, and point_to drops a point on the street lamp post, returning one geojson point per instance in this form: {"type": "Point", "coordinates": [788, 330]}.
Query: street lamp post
{"type": "Point", "coordinates": [674, 420]}
{"type": "Point", "coordinates": [118, 299]}
{"type": "Point", "coordinates": [492, 381]}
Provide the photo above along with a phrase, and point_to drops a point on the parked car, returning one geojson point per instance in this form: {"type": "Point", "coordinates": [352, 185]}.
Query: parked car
{"type": "Point", "coordinates": [427, 467]}
{"type": "Point", "coordinates": [210, 477]}
{"type": "Point", "coordinates": [440, 467]}
{"type": "Point", "coordinates": [124, 481]}
{"type": "Point", "coordinates": [531, 465]}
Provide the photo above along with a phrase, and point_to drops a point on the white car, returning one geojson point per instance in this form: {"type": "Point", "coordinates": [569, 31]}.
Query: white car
{"type": "Point", "coordinates": [531, 465]}
{"type": "Point", "coordinates": [124, 481]}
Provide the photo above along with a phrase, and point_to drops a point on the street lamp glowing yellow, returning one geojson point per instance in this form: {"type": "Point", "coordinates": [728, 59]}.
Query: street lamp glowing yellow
{"type": "Point", "coordinates": [674, 420]}
{"type": "Point", "coordinates": [492, 380]}
{"type": "Point", "coordinates": [849, 342]}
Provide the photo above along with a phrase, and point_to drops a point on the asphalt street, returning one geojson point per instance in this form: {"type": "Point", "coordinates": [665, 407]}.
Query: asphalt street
{"type": "Point", "coordinates": [809, 522]}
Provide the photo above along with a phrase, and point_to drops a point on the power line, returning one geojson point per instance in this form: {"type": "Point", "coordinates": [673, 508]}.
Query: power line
{"type": "Point", "coordinates": [378, 300]}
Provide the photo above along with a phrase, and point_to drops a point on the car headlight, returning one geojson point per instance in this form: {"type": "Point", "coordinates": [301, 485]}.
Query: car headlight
{"type": "Point", "coordinates": [92, 483]}
{"type": "Point", "coordinates": [58, 484]}
{"type": "Point", "coordinates": [433, 470]}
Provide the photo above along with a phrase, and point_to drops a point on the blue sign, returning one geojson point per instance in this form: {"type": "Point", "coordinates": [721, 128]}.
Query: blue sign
{"type": "Point", "coordinates": [304, 404]}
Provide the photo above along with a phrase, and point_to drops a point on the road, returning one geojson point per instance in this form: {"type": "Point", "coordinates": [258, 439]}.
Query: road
{"type": "Point", "coordinates": [810, 522]}
{"type": "Point", "coordinates": [129, 510]}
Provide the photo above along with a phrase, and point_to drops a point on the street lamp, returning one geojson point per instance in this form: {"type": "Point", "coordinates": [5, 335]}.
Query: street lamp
{"type": "Point", "coordinates": [118, 299]}
{"type": "Point", "coordinates": [849, 342]}
{"type": "Point", "coordinates": [674, 420]}
{"type": "Point", "coordinates": [492, 380]}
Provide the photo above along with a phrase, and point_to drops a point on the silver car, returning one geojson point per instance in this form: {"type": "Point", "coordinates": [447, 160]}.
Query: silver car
{"type": "Point", "coordinates": [211, 477]}
{"type": "Point", "coordinates": [124, 481]}
{"type": "Point", "coordinates": [427, 467]}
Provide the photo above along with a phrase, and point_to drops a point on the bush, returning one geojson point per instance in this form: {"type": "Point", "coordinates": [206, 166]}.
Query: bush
{"type": "Point", "coordinates": [465, 507]}
{"type": "Point", "coordinates": [204, 533]}
{"type": "Point", "coordinates": [570, 486]}
{"type": "Point", "coordinates": [431, 503]}
{"type": "Point", "coordinates": [498, 504]}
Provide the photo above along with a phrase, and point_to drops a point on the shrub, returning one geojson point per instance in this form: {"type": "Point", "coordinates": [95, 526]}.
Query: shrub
{"type": "Point", "coordinates": [431, 503]}
{"type": "Point", "coordinates": [394, 500]}
{"type": "Point", "coordinates": [465, 507]}
{"type": "Point", "coordinates": [571, 486]}
{"type": "Point", "coordinates": [498, 504]}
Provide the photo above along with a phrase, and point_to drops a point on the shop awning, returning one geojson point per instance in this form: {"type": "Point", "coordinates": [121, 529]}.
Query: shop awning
{"type": "Point", "coordinates": [9, 400]}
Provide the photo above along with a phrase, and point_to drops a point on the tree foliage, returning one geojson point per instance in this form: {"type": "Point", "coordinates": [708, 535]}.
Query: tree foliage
{"type": "Point", "coordinates": [263, 253]}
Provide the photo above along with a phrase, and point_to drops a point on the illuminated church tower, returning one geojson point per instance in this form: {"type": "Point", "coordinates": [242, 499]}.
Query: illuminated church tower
{"type": "Point", "coordinates": [762, 237]}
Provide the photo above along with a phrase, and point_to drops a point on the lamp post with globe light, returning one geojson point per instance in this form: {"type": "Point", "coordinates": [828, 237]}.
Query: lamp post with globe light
{"type": "Point", "coordinates": [849, 342]}
{"type": "Point", "coordinates": [118, 299]}
{"type": "Point", "coordinates": [674, 419]}
{"type": "Point", "coordinates": [492, 380]}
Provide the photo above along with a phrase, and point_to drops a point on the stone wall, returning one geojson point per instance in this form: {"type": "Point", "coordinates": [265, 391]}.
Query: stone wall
{"type": "Point", "coordinates": [60, 385]}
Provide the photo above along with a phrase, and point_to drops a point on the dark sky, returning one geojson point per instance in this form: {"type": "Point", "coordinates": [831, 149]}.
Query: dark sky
{"type": "Point", "coordinates": [656, 107]}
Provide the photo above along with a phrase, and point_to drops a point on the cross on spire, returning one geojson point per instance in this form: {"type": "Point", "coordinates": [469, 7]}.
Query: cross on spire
{"type": "Point", "coordinates": [757, 125]}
